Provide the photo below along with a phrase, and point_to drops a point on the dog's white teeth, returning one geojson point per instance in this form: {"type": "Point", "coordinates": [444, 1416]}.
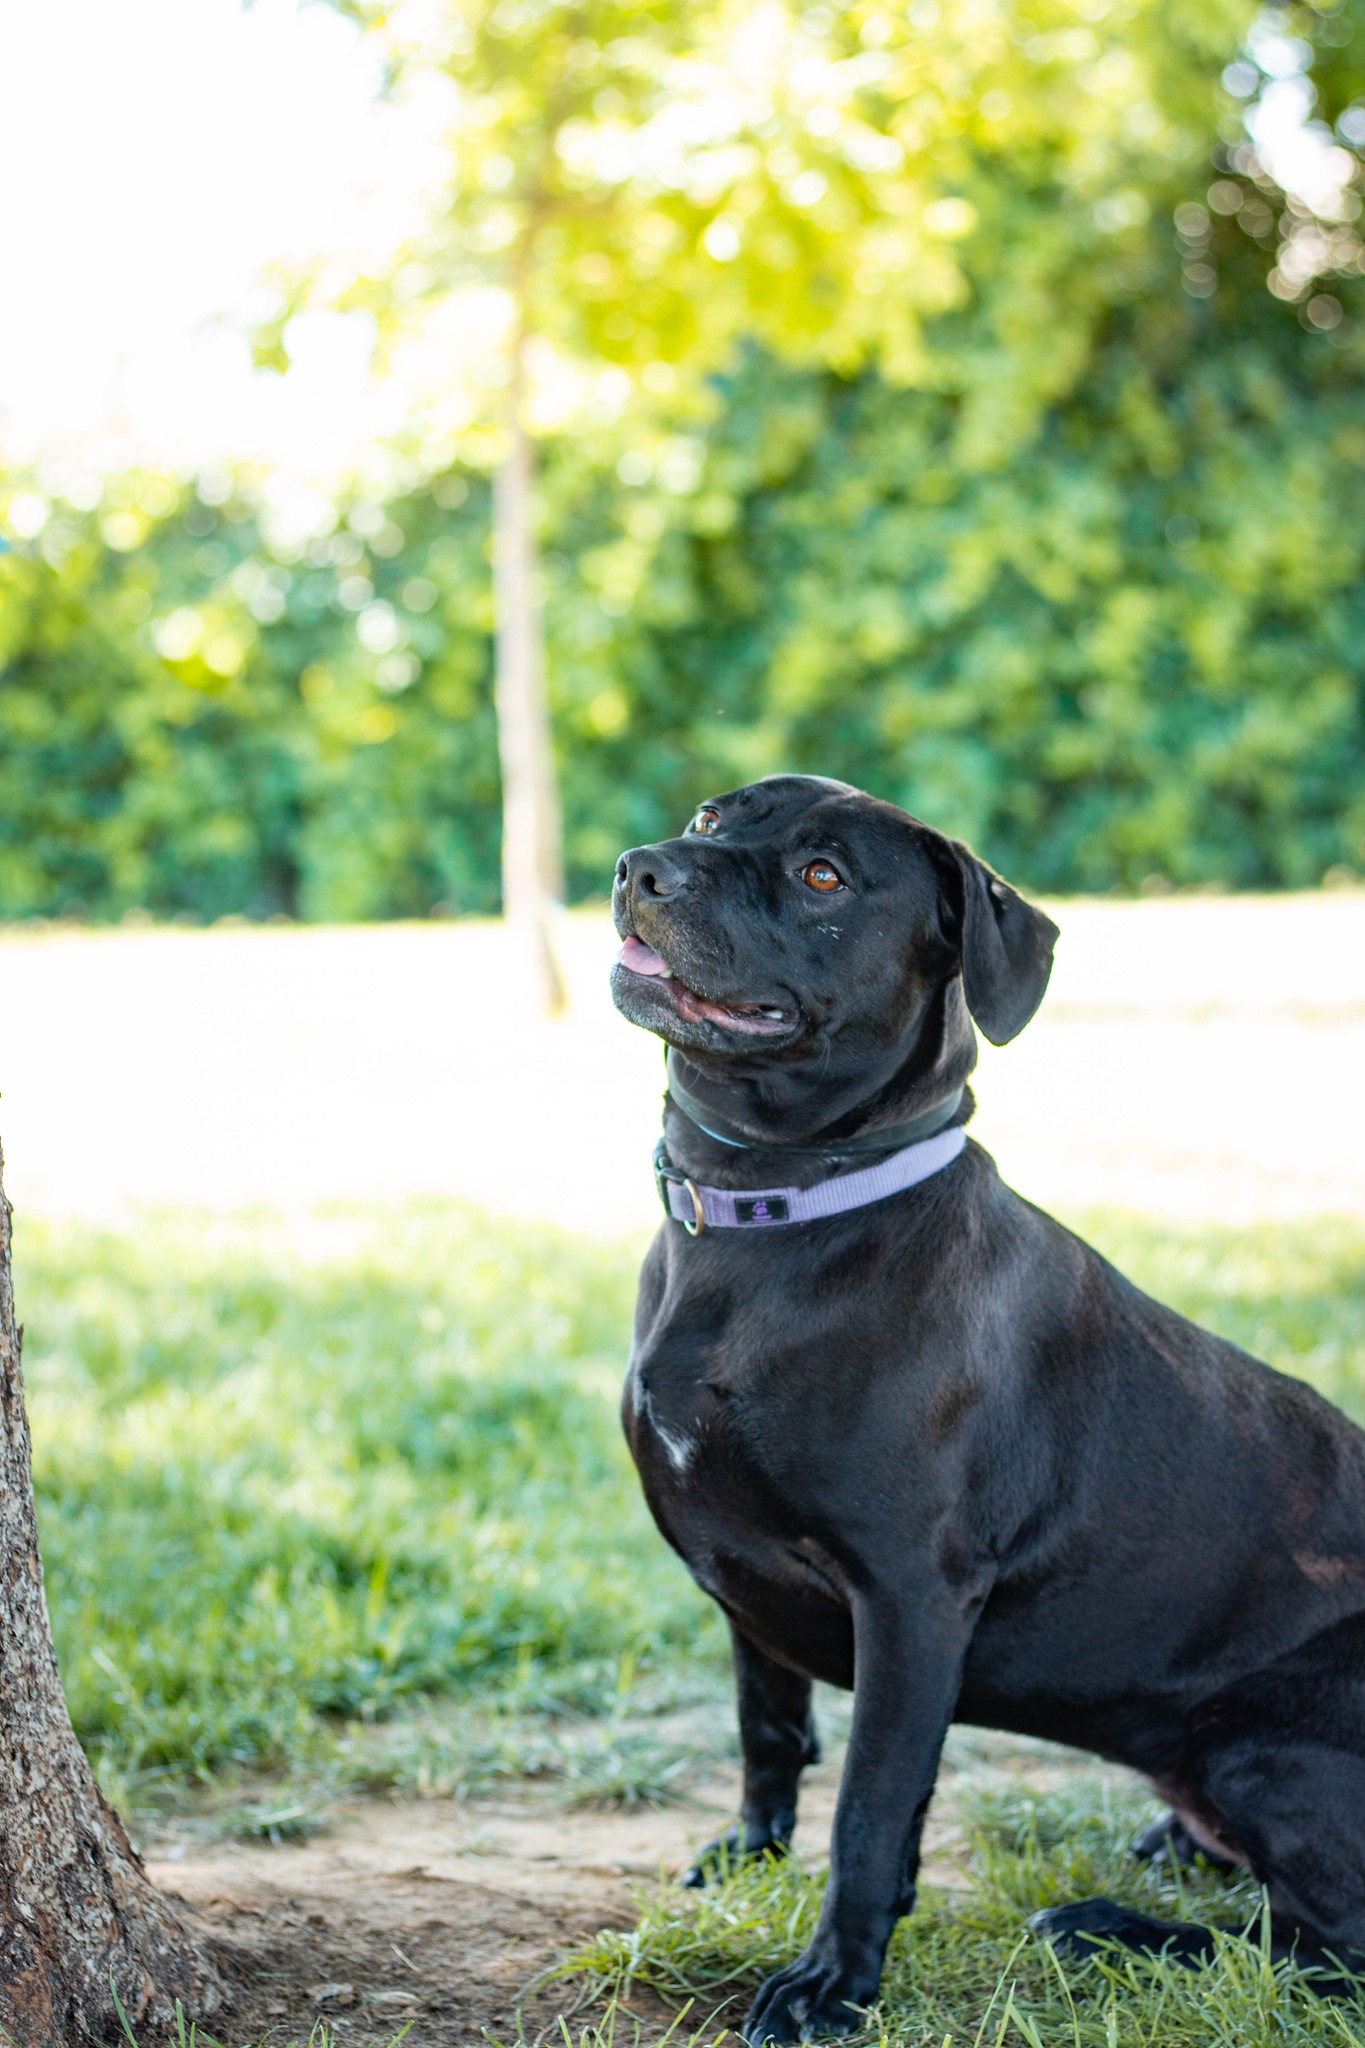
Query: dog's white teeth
{"type": "Point", "coordinates": [772, 1013]}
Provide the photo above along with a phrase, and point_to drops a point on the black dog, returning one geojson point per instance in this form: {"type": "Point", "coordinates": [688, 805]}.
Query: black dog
{"type": "Point", "coordinates": [932, 1446]}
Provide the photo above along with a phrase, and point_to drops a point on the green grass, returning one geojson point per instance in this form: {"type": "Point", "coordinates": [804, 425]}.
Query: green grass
{"type": "Point", "coordinates": [962, 1968]}
{"type": "Point", "coordinates": [348, 1502]}
{"type": "Point", "coordinates": [629, 1756]}
{"type": "Point", "coordinates": [290, 1483]}
{"type": "Point", "coordinates": [297, 1482]}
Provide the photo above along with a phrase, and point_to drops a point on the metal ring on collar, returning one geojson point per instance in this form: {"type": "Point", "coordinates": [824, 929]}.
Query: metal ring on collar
{"type": "Point", "coordinates": [694, 1229]}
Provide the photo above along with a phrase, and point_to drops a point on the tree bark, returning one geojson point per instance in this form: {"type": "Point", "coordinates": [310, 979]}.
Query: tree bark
{"type": "Point", "coordinates": [532, 873]}
{"type": "Point", "coordinates": [78, 1917]}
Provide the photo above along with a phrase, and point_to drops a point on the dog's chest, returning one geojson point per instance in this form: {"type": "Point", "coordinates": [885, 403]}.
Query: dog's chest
{"type": "Point", "coordinates": [726, 1382]}
{"type": "Point", "coordinates": [750, 1367]}
{"type": "Point", "coordinates": [680, 1392]}
{"type": "Point", "coordinates": [702, 1433]}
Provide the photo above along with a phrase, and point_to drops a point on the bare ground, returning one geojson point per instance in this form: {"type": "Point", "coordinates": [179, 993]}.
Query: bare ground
{"type": "Point", "coordinates": [431, 1911]}
{"type": "Point", "coordinates": [417, 1911]}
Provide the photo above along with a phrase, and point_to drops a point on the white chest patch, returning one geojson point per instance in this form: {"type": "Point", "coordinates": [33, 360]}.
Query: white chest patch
{"type": "Point", "coordinates": [679, 1449]}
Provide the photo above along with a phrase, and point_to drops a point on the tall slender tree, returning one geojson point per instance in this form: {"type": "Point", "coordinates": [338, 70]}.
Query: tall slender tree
{"type": "Point", "coordinates": [532, 863]}
{"type": "Point", "coordinates": [82, 1931]}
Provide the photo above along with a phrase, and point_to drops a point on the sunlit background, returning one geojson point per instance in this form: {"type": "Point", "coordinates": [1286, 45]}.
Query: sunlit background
{"type": "Point", "coordinates": [159, 160]}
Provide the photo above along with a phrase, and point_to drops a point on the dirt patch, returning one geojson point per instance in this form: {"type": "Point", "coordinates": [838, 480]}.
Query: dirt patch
{"type": "Point", "coordinates": [449, 1958]}
{"type": "Point", "coordinates": [429, 1913]}
{"type": "Point", "coordinates": [436, 1914]}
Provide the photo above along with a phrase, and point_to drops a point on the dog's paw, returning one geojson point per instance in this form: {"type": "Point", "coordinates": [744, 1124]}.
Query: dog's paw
{"type": "Point", "coordinates": [810, 2000]}
{"type": "Point", "coordinates": [1168, 1840]}
{"type": "Point", "coordinates": [1084, 1929]}
{"type": "Point", "coordinates": [737, 1845]}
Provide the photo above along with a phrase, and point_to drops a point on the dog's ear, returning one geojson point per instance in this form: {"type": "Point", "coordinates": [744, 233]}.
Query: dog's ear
{"type": "Point", "coordinates": [1006, 948]}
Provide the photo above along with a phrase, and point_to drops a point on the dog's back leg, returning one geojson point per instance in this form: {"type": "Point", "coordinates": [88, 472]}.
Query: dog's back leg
{"type": "Point", "coordinates": [1086, 1928]}
{"type": "Point", "coordinates": [778, 1739]}
{"type": "Point", "coordinates": [1285, 1762]}
{"type": "Point", "coordinates": [1280, 1759]}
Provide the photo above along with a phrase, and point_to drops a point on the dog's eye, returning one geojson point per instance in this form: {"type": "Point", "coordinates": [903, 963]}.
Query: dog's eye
{"type": "Point", "coordinates": [706, 820]}
{"type": "Point", "coordinates": [818, 874]}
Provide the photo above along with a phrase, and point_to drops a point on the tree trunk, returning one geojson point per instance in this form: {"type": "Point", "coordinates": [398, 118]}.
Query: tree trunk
{"type": "Point", "coordinates": [78, 1918]}
{"type": "Point", "coordinates": [532, 875]}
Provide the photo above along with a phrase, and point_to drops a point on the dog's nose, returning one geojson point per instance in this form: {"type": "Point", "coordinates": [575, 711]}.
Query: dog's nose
{"type": "Point", "coordinates": [647, 871]}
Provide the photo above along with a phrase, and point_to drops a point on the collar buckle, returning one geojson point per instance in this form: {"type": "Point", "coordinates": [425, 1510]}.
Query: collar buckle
{"type": "Point", "coordinates": [663, 1175]}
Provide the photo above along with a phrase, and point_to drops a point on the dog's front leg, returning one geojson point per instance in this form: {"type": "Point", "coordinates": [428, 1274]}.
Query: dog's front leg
{"type": "Point", "coordinates": [777, 1736]}
{"type": "Point", "coordinates": [907, 1665]}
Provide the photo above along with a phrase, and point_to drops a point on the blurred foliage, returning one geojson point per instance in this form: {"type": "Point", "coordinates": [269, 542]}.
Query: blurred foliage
{"type": "Point", "coordinates": [292, 1476]}
{"type": "Point", "coordinates": [1078, 577]}
{"type": "Point", "coordinates": [190, 721]}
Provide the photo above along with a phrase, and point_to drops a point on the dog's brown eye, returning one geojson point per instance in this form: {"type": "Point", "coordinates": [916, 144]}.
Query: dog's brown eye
{"type": "Point", "coordinates": [706, 820]}
{"type": "Point", "coordinates": [818, 874]}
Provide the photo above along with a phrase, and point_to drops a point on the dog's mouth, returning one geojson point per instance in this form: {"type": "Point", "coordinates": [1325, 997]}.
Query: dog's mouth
{"type": "Point", "coordinates": [756, 1020]}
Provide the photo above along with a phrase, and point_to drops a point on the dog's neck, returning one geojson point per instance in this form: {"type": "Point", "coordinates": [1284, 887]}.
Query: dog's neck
{"type": "Point", "coordinates": [884, 1138]}
{"type": "Point", "coordinates": [927, 1093]}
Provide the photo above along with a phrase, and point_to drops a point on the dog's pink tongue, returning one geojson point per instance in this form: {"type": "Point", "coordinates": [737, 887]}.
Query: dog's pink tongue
{"type": "Point", "coordinates": [640, 958]}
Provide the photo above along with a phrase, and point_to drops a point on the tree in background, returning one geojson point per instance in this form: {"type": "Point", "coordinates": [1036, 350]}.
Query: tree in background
{"type": "Point", "coordinates": [82, 1932]}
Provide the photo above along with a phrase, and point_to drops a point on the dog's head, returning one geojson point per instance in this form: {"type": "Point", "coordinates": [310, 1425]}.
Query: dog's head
{"type": "Point", "coordinates": [818, 945]}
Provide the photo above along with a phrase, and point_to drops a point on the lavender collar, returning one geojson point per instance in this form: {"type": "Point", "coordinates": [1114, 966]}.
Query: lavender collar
{"type": "Point", "coordinates": [698, 1207]}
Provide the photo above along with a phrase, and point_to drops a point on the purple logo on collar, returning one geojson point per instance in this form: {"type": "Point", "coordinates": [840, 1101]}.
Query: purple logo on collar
{"type": "Point", "coordinates": [761, 1209]}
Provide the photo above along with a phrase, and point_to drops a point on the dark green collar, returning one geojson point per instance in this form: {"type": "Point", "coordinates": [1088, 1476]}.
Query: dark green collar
{"type": "Point", "coordinates": [889, 1139]}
